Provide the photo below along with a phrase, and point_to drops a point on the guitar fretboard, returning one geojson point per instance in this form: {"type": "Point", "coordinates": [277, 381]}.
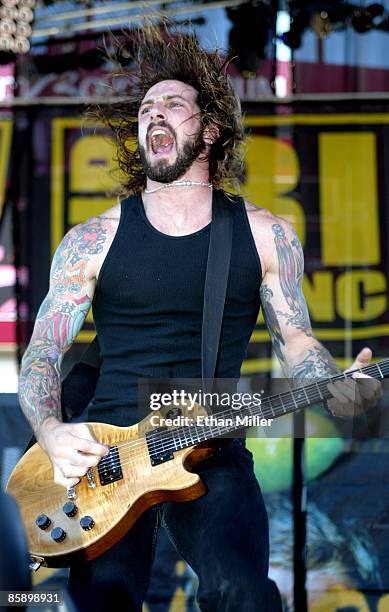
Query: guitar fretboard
{"type": "Point", "coordinates": [227, 422]}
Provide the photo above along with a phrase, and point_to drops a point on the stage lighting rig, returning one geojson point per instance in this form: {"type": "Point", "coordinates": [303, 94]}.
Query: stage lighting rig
{"type": "Point", "coordinates": [299, 21]}
{"type": "Point", "coordinates": [16, 17]}
{"type": "Point", "coordinates": [253, 28]}
{"type": "Point", "coordinates": [364, 18]}
{"type": "Point", "coordinates": [326, 17]}
{"type": "Point", "coordinates": [331, 18]}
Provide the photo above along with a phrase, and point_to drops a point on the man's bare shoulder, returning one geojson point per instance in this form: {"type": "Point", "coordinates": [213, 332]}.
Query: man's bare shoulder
{"type": "Point", "coordinates": [265, 223]}
{"type": "Point", "coordinates": [88, 242]}
{"type": "Point", "coordinates": [265, 226]}
{"type": "Point", "coordinates": [112, 213]}
{"type": "Point", "coordinates": [104, 224]}
{"type": "Point", "coordinates": [108, 218]}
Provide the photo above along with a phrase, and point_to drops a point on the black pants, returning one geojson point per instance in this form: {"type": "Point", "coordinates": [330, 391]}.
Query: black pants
{"type": "Point", "coordinates": [222, 535]}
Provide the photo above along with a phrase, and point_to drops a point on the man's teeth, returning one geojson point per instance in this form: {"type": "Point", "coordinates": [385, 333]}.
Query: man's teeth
{"type": "Point", "coordinates": [160, 139]}
{"type": "Point", "coordinates": [160, 133]}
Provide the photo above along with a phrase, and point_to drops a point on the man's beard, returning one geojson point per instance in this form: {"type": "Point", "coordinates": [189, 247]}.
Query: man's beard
{"type": "Point", "coordinates": [164, 173]}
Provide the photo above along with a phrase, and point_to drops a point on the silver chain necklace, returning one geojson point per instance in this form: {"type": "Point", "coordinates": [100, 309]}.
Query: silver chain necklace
{"type": "Point", "coordinates": [179, 184]}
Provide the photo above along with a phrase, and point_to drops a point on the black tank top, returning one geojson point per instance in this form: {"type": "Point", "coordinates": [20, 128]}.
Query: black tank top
{"type": "Point", "coordinates": [148, 308]}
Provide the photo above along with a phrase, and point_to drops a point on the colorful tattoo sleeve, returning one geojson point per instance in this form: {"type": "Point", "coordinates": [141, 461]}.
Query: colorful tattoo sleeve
{"type": "Point", "coordinates": [58, 322]}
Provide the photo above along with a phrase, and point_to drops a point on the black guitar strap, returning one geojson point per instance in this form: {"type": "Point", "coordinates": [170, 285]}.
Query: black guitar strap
{"type": "Point", "coordinates": [215, 289]}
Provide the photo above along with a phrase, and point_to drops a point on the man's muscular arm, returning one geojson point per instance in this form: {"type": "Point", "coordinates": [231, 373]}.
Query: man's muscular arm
{"type": "Point", "coordinates": [286, 315]}
{"type": "Point", "coordinates": [58, 322]}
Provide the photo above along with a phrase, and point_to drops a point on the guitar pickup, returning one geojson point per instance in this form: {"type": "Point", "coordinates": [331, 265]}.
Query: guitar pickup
{"type": "Point", "coordinates": [157, 453]}
{"type": "Point", "coordinates": [109, 468]}
{"type": "Point", "coordinates": [160, 457]}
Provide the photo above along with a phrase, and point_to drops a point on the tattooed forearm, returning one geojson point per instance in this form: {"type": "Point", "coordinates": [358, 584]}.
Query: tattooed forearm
{"type": "Point", "coordinates": [272, 323]}
{"type": "Point", "coordinates": [317, 363]}
{"type": "Point", "coordinates": [58, 322]}
{"type": "Point", "coordinates": [39, 383]}
{"type": "Point", "coordinates": [285, 311]}
{"type": "Point", "coordinates": [291, 267]}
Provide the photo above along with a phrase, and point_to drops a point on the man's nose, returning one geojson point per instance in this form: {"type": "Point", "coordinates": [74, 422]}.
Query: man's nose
{"type": "Point", "coordinates": [158, 111]}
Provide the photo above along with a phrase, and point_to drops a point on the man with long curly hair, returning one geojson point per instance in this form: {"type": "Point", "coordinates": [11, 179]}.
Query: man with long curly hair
{"type": "Point", "coordinates": [142, 264]}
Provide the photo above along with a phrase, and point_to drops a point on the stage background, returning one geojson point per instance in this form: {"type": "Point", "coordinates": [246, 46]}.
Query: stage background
{"type": "Point", "coordinates": [321, 165]}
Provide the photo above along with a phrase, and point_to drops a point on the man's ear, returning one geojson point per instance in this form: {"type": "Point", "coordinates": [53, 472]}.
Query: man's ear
{"type": "Point", "coordinates": [211, 134]}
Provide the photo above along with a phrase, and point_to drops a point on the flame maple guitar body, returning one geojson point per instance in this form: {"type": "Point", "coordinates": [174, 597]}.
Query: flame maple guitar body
{"type": "Point", "coordinates": [113, 507]}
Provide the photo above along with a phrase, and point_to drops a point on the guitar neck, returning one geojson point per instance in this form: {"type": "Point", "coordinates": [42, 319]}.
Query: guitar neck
{"type": "Point", "coordinates": [227, 422]}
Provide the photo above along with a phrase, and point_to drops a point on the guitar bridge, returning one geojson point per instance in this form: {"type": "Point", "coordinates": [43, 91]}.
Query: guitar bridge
{"type": "Point", "coordinates": [109, 468]}
{"type": "Point", "coordinates": [91, 479]}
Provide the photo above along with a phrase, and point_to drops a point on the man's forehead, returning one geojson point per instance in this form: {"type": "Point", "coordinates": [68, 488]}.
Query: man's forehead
{"type": "Point", "coordinates": [171, 88]}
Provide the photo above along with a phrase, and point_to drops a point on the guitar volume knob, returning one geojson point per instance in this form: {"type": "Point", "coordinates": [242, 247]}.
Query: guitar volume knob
{"type": "Point", "coordinates": [43, 521]}
{"type": "Point", "coordinates": [58, 534]}
{"type": "Point", "coordinates": [70, 509]}
{"type": "Point", "coordinates": [87, 523]}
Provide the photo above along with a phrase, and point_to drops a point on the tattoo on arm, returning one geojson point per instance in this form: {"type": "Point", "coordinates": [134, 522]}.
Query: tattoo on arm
{"type": "Point", "coordinates": [272, 322]}
{"type": "Point", "coordinates": [317, 363]}
{"type": "Point", "coordinates": [58, 322]}
{"type": "Point", "coordinates": [298, 363]}
{"type": "Point", "coordinates": [291, 268]}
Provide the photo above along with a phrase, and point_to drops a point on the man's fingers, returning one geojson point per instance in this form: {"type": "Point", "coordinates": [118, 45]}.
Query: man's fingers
{"type": "Point", "coordinates": [71, 439]}
{"type": "Point", "coordinates": [90, 447]}
{"type": "Point", "coordinates": [345, 391]}
{"type": "Point", "coordinates": [335, 393]}
{"type": "Point", "coordinates": [82, 460]}
{"type": "Point", "coordinates": [352, 395]}
{"type": "Point", "coordinates": [362, 359]}
{"type": "Point", "coordinates": [62, 480]}
{"type": "Point", "coordinates": [75, 450]}
{"type": "Point", "coordinates": [346, 399]}
{"type": "Point", "coordinates": [86, 442]}
{"type": "Point", "coordinates": [72, 451]}
{"type": "Point", "coordinates": [69, 470]}
{"type": "Point", "coordinates": [371, 390]}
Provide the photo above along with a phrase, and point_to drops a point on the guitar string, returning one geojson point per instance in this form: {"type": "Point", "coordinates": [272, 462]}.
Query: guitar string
{"type": "Point", "coordinates": [132, 458]}
{"type": "Point", "coordinates": [282, 396]}
{"type": "Point", "coordinates": [166, 436]}
{"type": "Point", "coordinates": [185, 438]}
{"type": "Point", "coordinates": [134, 453]}
{"type": "Point", "coordinates": [137, 448]}
{"type": "Point", "coordinates": [266, 412]}
{"type": "Point", "coordinates": [159, 446]}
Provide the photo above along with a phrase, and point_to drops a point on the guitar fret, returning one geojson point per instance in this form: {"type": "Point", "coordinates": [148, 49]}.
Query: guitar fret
{"type": "Point", "coordinates": [283, 405]}
{"type": "Point", "coordinates": [380, 371]}
{"type": "Point", "coordinates": [294, 400]}
{"type": "Point", "coordinates": [271, 407]}
{"type": "Point", "coordinates": [320, 393]}
{"type": "Point", "coordinates": [305, 393]}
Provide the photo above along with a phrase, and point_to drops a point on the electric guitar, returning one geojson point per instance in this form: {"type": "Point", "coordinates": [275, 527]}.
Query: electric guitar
{"type": "Point", "coordinates": [145, 466]}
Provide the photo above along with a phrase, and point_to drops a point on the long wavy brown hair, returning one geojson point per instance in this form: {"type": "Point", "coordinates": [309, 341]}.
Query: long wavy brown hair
{"type": "Point", "coordinates": [161, 52]}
